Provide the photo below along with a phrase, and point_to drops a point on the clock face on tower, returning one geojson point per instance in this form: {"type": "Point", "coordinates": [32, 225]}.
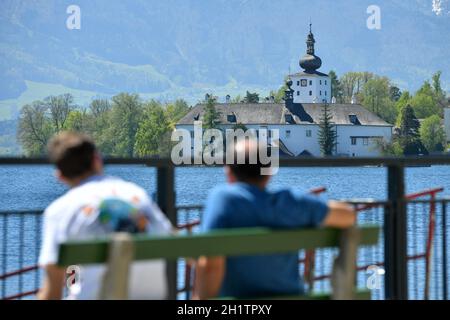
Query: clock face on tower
{"type": "Point", "coordinates": [304, 82]}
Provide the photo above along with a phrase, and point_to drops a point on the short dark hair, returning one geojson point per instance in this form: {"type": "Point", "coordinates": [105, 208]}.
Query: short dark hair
{"type": "Point", "coordinates": [72, 153]}
{"type": "Point", "coordinates": [248, 172]}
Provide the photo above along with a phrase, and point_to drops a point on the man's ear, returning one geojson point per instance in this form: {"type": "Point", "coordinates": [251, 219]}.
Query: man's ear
{"type": "Point", "coordinates": [58, 174]}
{"type": "Point", "coordinates": [231, 178]}
{"type": "Point", "coordinates": [97, 163]}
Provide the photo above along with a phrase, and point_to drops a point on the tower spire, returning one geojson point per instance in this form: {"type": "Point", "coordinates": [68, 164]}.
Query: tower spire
{"type": "Point", "coordinates": [310, 41]}
{"type": "Point", "coordinates": [310, 62]}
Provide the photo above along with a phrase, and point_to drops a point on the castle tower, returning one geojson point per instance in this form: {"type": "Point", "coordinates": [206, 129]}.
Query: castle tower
{"type": "Point", "coordinates": [310, 85]}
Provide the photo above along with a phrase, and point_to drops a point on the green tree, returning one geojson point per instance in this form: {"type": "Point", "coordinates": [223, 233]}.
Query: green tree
{"type": "Point", "coordinates": [35, 128]}
{"type": "Point", "coordinates": [352, 84]}
{"type": "Point", "coordinates": [336, 88]}
{"type": "Point", "coordinates": [279, 94]}
{"type": "Point", "coordinates": [99, 125]}
{"type": "Point", "coordinates": [375, 97]}
{"type": "Point", "coordinates": [237, 99]}
{"type": "Point", "coordinates": [393, 148]}
{"type": "Point", "coordinates": [126, 112]}
{"type": "Point", "coordinates": [152, 136]}
{"type": "Point", "coordinates": [409, 137]}
{"type": "Point", "coordinates": [432, 134]}
{"type": "Point", "coordinates": [394, 93]}
{"type": "Point", "coordinates": [60, 108]}
{"type": "Point", "coordinates": [251, 97]}
{"type": "Point", "coordinates": [175, 111]}
{"type": "Point", "coordinates": [404, 100]}
{"type": "Point", "coordinates": [99, 107]}
{"type": "Point", "coordinates": [424, 105]}
{"type": "Point", "coordinates": [437, 88]}
{"type": "Point", "coordinates": [77, 120]}
{"type": "Point", "coordinates": [211, 116]}
{"type": "Point", "coordinates": [327, 132]}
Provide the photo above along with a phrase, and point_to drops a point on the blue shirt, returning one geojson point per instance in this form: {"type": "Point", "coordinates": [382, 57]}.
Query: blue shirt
{"type": "Point", "coordinates": [242, 205]}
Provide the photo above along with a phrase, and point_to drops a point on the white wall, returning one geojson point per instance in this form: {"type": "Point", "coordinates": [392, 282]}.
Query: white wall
{"type": "Point", "coordinates": [447, 122]}
{"type": "Point", "coordinates": [316, 87]}
{"type": "Point", "coordinates": [345, 132]}
{"type": "Point", "coordinates": [298, 141]}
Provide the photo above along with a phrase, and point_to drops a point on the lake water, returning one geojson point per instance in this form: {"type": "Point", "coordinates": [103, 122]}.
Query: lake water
{"type": "Point", "coordinates": [34, 187]}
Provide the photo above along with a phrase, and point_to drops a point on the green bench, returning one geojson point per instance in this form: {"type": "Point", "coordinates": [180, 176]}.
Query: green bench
{"type": "Point", "coordinates": [119, 250]}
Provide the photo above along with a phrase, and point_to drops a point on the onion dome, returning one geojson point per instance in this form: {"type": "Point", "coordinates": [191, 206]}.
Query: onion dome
{"type": "Point", "coordinates": [310, 62]}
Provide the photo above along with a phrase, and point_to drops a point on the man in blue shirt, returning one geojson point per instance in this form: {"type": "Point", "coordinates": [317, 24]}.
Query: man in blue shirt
{"type": "Point", "coordinates": [245, 202]}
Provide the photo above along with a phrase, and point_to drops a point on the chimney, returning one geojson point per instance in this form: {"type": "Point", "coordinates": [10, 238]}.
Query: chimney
{"type": "Point", "coordinates": [227, 99]}
{"type": "Point", "coordinates": [272, 99]}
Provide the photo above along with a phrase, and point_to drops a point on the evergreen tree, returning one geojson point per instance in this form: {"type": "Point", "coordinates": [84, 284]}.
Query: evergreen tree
{"type": "Point", "coordinates": [336, 88]}
{"type": "Point", "coordinates": [409, 136]}
{"type": "Point", "coordinates": [327, 133]}
{"type": "Point", "coordinates": [251, 97]}
{"type": "Point", "coordinates": [211, 116]}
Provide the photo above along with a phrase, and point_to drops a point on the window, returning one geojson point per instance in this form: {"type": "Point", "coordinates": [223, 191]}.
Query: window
{"type": "Point", "coordinates": [310, 93]}
{"type": "Point", "coordinates": [192, 134]}
{"type": "Point", "coordinates": [231, 117]}
{"type": "Point", "coordinates": [308, 133]}
{"type": "Point", "coordinates": [310, 82]}
{"type": "Point", "coordinates": [320, 92]}
{"type": "Point", "coordinates": [298, 93]}
{"type": "Point", "coordinates": [353, 141]}
{"type": "Point", "coordinates": [298, 83]}
{"type": "Point", "coordinates": [325, 93]}
{"type": "Point", "coordinates": [288, 133]}
{"type": "Point", "coordinates": [365, 141]}
{"type": "Point", "coordinates": [320, 81]}
{"type": "Point", "coordinates": [304, 83]}
{"type": "Point", "coordinates": [325, 82]}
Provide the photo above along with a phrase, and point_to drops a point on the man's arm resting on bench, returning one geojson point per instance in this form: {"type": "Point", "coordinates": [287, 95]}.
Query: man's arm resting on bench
{"type": "Point", "coordinates": [53, 283]}
{"type": "Point", "coordinates": [340, 215]}
{"type": "Point", "coordinates": [208, 278]}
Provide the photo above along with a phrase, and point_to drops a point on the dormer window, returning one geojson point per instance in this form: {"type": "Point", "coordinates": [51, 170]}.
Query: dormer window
{"type": "Point", "coordinates": [354, 119]}
{"type": "Point", "coordinates": [231, 118]}
{"type": "Point", "coordinates": [289, 118]}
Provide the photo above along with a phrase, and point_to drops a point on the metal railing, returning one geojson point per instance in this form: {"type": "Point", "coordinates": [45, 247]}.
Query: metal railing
{"type": "Point", "coordinates": [394, 253]}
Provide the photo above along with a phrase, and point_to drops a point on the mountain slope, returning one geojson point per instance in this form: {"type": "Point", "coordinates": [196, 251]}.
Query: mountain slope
{"type": "Point", "coordinates": [164, 48]}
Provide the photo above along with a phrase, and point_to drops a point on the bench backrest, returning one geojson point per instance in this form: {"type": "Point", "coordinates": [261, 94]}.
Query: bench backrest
{"type": "Point", "coordinates": [119, 250]}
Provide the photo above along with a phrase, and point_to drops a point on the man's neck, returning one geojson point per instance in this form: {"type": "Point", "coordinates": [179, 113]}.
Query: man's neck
{"type": "Point", "coordinates": [75, 182]}
{"type": "Point", "coordinates": [258, 184]}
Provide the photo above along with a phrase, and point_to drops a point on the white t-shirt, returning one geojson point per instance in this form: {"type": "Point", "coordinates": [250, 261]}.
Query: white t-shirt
{"type": "Point", "coordinates": [75, 216]}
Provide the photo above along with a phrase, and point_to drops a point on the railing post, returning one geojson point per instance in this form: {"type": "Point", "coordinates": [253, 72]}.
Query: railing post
{"type": "Point", "coordinates": [444, 250]}
{"type": "Point", "coordinates": [395, 236]}
{"type": "Point", "coordinates": [165, 196]}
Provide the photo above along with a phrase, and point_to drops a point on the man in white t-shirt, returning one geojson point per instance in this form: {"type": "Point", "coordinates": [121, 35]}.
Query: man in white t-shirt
{"type": "Point", "coordinates": [95, 206]}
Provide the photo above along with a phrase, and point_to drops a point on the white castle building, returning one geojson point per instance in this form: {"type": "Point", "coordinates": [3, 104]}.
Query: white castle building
{"type": "Point", "coordinates": [297, 119]}
{"type": "Point", "coordinates": [447, 122]}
